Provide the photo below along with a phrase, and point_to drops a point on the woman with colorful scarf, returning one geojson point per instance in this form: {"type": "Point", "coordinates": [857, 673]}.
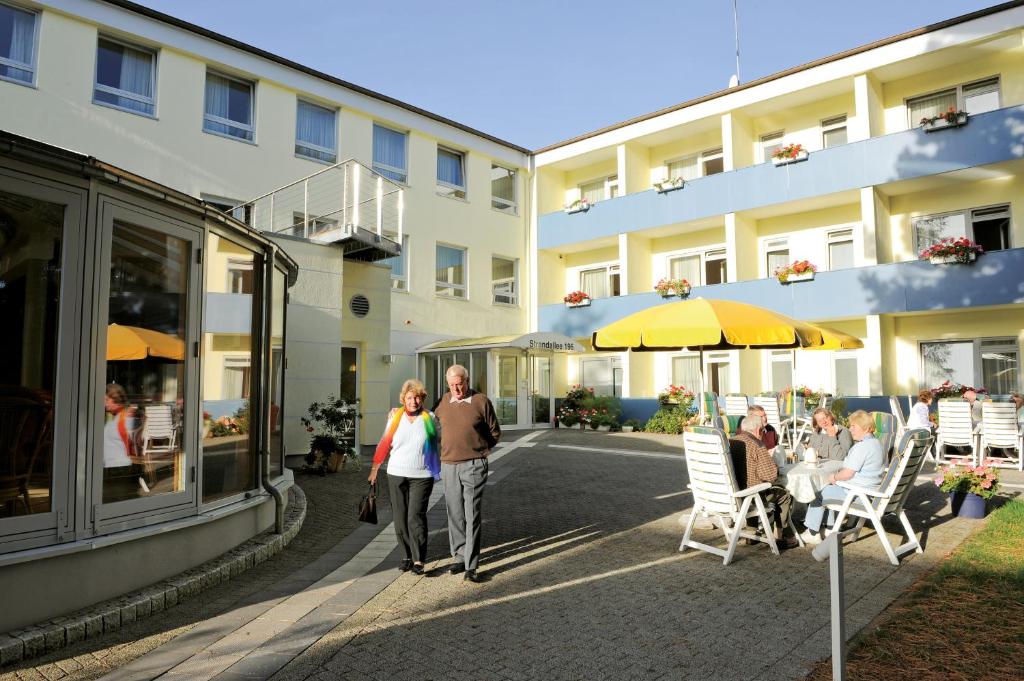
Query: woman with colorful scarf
{"type": "Point", "coordinates": [411, 440]}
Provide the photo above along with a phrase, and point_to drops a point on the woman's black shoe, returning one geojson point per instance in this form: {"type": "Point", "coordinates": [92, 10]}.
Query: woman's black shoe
{"type": "Point", "coordinates": [405, 565]}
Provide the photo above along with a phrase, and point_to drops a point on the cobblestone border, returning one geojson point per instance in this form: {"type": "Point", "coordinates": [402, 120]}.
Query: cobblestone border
{"type": "Point", "coordinates": [112, 614]}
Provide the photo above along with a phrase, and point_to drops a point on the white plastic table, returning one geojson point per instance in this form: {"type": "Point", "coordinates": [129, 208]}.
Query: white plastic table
{"type": "Point", "coordinates": [804, 480]}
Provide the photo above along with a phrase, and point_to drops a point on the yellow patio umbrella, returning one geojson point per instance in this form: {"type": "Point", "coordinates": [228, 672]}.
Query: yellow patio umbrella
{"type": "Point", "coordinates": [836, 340]}
{"type": "Point", "coordinates": [134, 342]}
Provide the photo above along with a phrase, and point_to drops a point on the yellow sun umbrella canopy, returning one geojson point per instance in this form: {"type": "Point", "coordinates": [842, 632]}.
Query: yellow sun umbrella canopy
{"type": "Point", "coordinates": [836, 340]}
{"type": "Point", "coordinates": [701, 324]}
{"type": "Point", "coordinates": [133, 342]}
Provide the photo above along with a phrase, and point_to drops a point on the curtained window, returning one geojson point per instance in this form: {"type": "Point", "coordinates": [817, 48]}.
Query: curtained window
{"type": "Point", "coordinates": [833, 132]}
{"type": "Point", "coordinates": [687, 168]}
{"type": "Point", "coordinates": [229, 107]}
{"type": "Point", "coordinates": [389, 153]}
{"type": "Point", "coordinates": [315, 136]}
{"type": "Point", "coordinates": [451, 179]}
{"type": "Point", "coordinates": [686, 371]}
{"type": "Point", "coordinates": [450, 274]}
{"type": "Point", "coordinates": [17, 44]}
{"type": "Point", "coordinates": [125, 77]}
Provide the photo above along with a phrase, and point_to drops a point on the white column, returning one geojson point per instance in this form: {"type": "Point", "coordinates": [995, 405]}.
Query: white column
{"type": "Point", "coordinates": [869, 118]}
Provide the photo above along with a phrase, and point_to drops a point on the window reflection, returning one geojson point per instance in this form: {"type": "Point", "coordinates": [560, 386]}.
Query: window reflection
{"type": "Point", "coordinates": [31, 234]}
{"type": "Point", "coordinates": [229, 335]}
{"type": "Point", "coordinates": [277, 374]}
{"type": "Point", "coordinates": [145, 362]}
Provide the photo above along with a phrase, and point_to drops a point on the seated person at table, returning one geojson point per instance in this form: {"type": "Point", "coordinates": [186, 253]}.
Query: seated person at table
{"type": "Point", "coordinates": [761, 468]}
{"type": "Point", "coordinates": [769, 436]}
{"type": "Point", "coordinates": [971, 396]}
{"type": "Point", "coordinates": [919, 413]}
{"type": "Point", "coordinates": [829, 439]}
{"type": "Point", "coordinates": [1018, 400]}
{"type": "Point", "coordinates": [862, 467]}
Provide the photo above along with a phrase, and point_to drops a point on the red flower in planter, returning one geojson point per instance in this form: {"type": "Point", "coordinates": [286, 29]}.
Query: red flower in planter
{"type": "Point", "coordinates": [576, 297]}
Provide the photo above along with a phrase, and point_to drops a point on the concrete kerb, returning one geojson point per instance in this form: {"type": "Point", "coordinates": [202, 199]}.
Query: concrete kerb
{"type": "Point", "coordinates": [111, 615]}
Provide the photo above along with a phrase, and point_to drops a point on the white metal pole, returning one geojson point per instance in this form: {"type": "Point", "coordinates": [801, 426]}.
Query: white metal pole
{"type": "Point", "coordinates": [380, 204]}
{"type": "Point", "coordinates": [401, 214]}
{"type": "Point", "coordinates": [832, 548]}
{"type": "Point", "coordinates": [355, 195]}
{"type": "Point", "coordinates": [305, 208]}
{"type": "Point", "coordinates": [736, 33]}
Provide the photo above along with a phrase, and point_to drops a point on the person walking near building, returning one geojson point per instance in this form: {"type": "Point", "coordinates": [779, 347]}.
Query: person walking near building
{"type": "Point", "coordinates": [411, 440]}
{"type": "Point", "coordinates": [469, 430]}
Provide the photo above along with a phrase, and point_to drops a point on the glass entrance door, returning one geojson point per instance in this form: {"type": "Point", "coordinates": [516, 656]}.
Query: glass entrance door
{"type": "Point", "coordinates": [349, 390]}
{"type": "Point", "coordinates": [540, 390]}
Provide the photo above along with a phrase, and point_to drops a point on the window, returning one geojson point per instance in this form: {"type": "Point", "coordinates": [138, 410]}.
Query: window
{"type": "Point", "coordinates": [125, 76]}
{"type": "Point", "coordinates": [715, 267]}
{"type": "Point", "coordinates": [315, 133]}
{"type": "Point", "coordinates": [315, 226]}
{"type": "Point", "coordinates": [503, 189]}
{"type": "Point", "coordinates": [710, 264]}
{"type": "Point", "coordinates": [237, 372]}
{"type": "Point", "coordinates": [600, 282]}
{"type": "Point", "coordinates": [451, 173]}
{"type": "Point", "coordinates": [686, 371]}
{"type": "Point", "coordinates": [989, 363]}
{"type": "Point", "coordinates": [503, 280]}
{"type": "Point", "coordinates": [687, 168]}
{"type": "Point", "coordinates": [718, 373]}
{"type": "Point", "coordinates": [776, 255]}
{"type": "Point", "coordinates": [770, 144]}
{"type": "Point", "coordinates": [239, 276]}
{"type": "Point", "coordinates": [599, 190]}
{"type": "Point", "coordinates": [231, 207]}
{"type": "Point", "coordinates": [988, 226]}
{"type": "Point", "coordinates": [229, 107]}
{"type": "Point", "coordinates": [399, 265]}
{"type": "Point", "coordinates": [780, 369]}
{"type": "Point", "coordinates": [974, 98]}
{"type": "Point", "coordinates": [17, 44]}
{"type": "Point", "coordinates": [712, 161]}
{"type": "Point", "coordinates": [833, 132]}
{"type": "Point", "coordinates": [603, 374]}
{"type": "Point", "coordinates": [844, 366]}
{"type": "Point", "coordinates": [450, 277]}
{"type": "Point", "coordinates": [840, 249]}
{"type": "Point", "coordinates": [389, 153]}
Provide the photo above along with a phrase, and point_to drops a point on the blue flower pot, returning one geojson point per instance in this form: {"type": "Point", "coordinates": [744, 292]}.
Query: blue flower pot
{"type": "Point", "coordinates": [967, 505]}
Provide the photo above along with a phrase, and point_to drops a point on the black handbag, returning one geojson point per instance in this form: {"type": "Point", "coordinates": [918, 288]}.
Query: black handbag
{"type": "Point", "coordinates": [368, 506]}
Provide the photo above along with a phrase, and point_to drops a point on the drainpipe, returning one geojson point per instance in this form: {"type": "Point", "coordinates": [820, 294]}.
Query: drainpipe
{"type": "Point", "coordinates": [265, 388]}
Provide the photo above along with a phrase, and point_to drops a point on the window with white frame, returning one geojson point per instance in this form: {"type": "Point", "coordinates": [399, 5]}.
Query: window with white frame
{"type": "Point", "coordinates": [451, 173]}
{"type": "Point", "coordinates": [991, 363]}
{"type": "Point", "coordinates": [239, 276]}
{"type": "Point", "coordinates": [601, 189]}
{"type": "Point", "coordinates": [315, 225]}
{"type": "Point", "coordinates": [719, 372]}
{"type": "Point", "coordinates": [450, 271]}
{"type": "Point", "coordinates": [390, 153]}
{"type": "Point", "coordinates": [686, 168]}
{"type": "Point", "coordinates": [686, 371]}
{"type": "Point", "coordinates": [229, 107]}
{"type": "Point", "coordinates": [780, 369]}
{"type": "Point", "coordinates": [840, 249]}
{"type": "Point", "coordinates": [833, 132]}
{"type": "Point", "coordinates": [231, 207]}
{"type": "Point", "coordinates": [603, 374]}
{"type": "Point", "coordinates": [988, 226]}
{"type": "Point", "coordinates": [17, 44]}
{"type": "Point", "coordinates": [125, 77]}
{"type": "Point", "coordinates": [844, 370]}
{"type": "Point", "coordinates": [503, 189]}
{"type": "Point", "coordinates": [504, 287]}
{"type": "Point", "coordinates": [399, 265]}
{"type": "Point", "coordinates": [712, 161]}
{"type": "Point", "coordinates": [715, 267]}
{"type": "Point", "coordinates": [316, 132]}
{"type": "Point", "coordinates": [700, 269]}
{"type": "Point", "coordinates": [237, 374]}
{"type": "Point", "coordinates": [600, 282]}
{"type": "Point", "coordinates": [974, 98]}
{"type": "Point", "coordinates": [776, 254]}
{"type": "Point", "coordinates": [770, 143]}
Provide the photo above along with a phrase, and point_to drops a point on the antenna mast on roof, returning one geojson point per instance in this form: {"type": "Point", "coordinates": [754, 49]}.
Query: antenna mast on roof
{"type": "Point", "coordinates": [735, 80]}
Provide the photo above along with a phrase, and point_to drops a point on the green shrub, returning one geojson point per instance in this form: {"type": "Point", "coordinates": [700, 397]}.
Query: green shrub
{"type": "Point", "coordinates": [669, 419]}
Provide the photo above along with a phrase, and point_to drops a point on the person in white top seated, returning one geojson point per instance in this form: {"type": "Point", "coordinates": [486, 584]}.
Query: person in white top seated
{"type": "Point", "coordinates": [863, 467]}
{"type": "Point", "coordinates": [122, 477]}
{"type": "Point", "coordinates": [919, 413]}
{"type": "Point", "coordinates": [411, 440]}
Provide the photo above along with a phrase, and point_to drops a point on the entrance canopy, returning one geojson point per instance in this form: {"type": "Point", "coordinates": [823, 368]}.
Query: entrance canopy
{"type": "Point", "coordinates": [554, 342]}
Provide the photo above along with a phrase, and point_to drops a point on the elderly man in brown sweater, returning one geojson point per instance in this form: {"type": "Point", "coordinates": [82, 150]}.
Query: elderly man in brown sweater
{"type": "Point", "coordinates": [469, 429]}
{"type": "Point", "coordinates": [761, 468]}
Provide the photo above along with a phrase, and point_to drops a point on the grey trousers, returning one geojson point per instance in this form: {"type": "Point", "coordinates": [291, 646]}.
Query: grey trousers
{"type": "Point", "coordinates": [463, 495]}
{"type": "Point", "coordinates": [409, 498]}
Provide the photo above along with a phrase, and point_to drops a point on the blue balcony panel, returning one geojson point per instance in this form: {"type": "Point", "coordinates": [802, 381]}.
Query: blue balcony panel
{"type": "Point", "coordinates": [987, 138]}
{"type": "Point", "coordinates": [228, 313]}
{"type": "Point", "coordinates": [997, 278]}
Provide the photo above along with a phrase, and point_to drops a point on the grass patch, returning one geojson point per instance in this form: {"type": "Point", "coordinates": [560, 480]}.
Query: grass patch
{"type": "Point", "coordinates": [965, 620]}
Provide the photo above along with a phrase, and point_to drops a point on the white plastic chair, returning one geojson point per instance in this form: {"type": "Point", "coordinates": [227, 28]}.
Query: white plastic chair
{"type": "Point", "coordinates": [736, 405]}
{"type": "Point", "coordinates": [999, 428]}
{"type": "Point", "coordinates": [901, 419]}
{"type": "Point", "coordinates": [159, 432]}
{"type": "Point", "coordinates": [956, 429]}
{"type": "Point", "coordinates": [771, 412]}
{"type": "Point", "coordinates": [715, 493]}
{"type": "Point", "coordinates": [889, 498]}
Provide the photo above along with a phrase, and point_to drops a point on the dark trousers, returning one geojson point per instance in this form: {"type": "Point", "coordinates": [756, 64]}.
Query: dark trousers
{"type": "Point", "coordinates": [464, 495]}
{"type": "Point", "coordinates": [409, 498]}
{"type": "Point", "coordinates": [783, 501]}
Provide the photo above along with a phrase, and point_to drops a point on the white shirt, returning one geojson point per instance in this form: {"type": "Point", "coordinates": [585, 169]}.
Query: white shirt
{"type": "Point", "coordinates": [919, 417]}
{"type": "Point", "coordinates": [115, 454]}
{"type": "Point", "coordinates": [407, 449]}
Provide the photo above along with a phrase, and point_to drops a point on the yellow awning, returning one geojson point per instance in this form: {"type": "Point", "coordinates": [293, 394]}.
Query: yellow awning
{"type": "Point", "coordinates": [133, 342]}
{"type": "Point", "coordinates": [540, 340]}
{"type": "Point", "coordinates": [836, 340]}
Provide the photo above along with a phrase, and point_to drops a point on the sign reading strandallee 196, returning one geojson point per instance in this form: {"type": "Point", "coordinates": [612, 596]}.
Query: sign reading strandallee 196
{"type": "Point", "coordinates": [550, 345]}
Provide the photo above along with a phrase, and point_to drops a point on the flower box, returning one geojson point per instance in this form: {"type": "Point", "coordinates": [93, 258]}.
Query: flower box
{"type": "Point", "coordinates": [950, 250]}
{"type": "Point", "coordinates": [627, 429]}
{"type": "Point", "coordinates": [576, 299]}
{"type": "Point", "coordinates": [967, 505]}
{"type": "Point", "coordinates": [667, 288]}
{"type": "Point", "coordinates": [800, 155]}
{"type": "Point", "coordinates": [666, 186]}
{"type": "Point", "coordinates": [603, 429]}
{"type": "Point", "coordinates": [583, 303]}
{"type": "Point", "coordinates": [946, 121]}
{"type": "Point", "coordinates": [579, 206]}
{"type": "Point", "coordinates": [800, 270]}
{"type": "Point", "coordinates": [952, 259]}
{"type": "Point", "coordinates": [806, 276]}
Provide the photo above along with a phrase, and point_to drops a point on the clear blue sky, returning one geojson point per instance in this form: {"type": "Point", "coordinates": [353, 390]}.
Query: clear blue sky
{"type": "Point", "coordinates": [535, 72]}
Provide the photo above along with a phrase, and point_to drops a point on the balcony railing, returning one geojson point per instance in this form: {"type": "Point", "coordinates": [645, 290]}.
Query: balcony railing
{"type": "Point", "coordinates": [346, 204]}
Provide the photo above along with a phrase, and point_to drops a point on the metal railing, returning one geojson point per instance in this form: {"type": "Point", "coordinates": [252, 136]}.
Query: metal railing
{"type": "Point", "coordinates": [328, 205]}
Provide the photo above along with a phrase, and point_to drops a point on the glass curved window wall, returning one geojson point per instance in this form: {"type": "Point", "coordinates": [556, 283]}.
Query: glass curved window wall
{"type": "Point", "coordinates": [276, 415]}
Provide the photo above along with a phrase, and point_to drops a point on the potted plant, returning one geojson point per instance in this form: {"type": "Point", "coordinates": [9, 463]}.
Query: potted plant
{"type": "Point", "coordinates": [950, 389]}
{"type": "Point", "coordinates": [569, 412]}
{"type": "Point", "coordinates": [969, 487]}
{"type": "Point", "coordinates": [811, 398]}
{"type": "Point", "coordinates": [632, 425]}
{"type": "Point", "coordinates": [331, 425]}
{"type": "Point", "coordinates": [951, 118]}
{"type": "Point", "coordinates": [576, 299]}
{"type": "Point", "coordinates": [581, 205]}
{"type": "Point", "coordinates": [950, 250]}
{"type": "Point", "coordinates": [799, 270]}
{"type": "Point", "coordinates": [669, 287]}
{"type": "Point", "coordinates": [676, 395]}
{"type": "Point", "coordinates": [791, 153]}
{"type": "Point", "coordinates": [669, 185]}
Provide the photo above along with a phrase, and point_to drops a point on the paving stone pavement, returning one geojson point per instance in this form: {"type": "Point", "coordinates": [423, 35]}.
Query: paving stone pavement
{"type": "Point", "coordinates": [581, 533]}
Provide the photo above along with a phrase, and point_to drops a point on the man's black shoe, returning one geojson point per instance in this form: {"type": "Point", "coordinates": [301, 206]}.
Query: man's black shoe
{"type": "Point", "coordinates": [472, 576]}
{"type": "Point", "coordinates": [405, 565]}
{"type": "Point", "coordinates": [456, 568]}
{"type": "Point", "coordinates": [417, 568]}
